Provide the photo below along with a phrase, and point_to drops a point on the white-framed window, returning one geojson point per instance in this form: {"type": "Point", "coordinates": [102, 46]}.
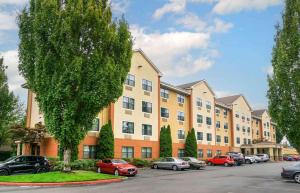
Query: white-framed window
{"type": "Point", "coordinates": [218, 124]}
{"type": "Point", "coordinates": [89, 151]}
{"type": "Point", "coordinates": [208, 120]}
{"type": "Point", "coordinates": [180, 116]}
{"type": "Point", "coordinates": [208, 105]}
{"type": "Point", "coordinates": [147, 85]}
{"type": "Point", "coordinates": [208, 136]}
{"type": "Point", "coordinates": [127, 152]}
{"type": "Point", "coordinates": [199, 135]}
{"type": "Point", "coordinates": [146, 152]}
{"type": "Point", "coordinates": [164, 93]}
{"type": "Point", "coordinates": [225, 139]}
{"type": "Point", "coordinates": [199, 102]}
{"type": "Point", "coordinates": [181, 134]}
{"type": "Point", "coordinates": [200, 153]}
{"type": "Point", "coordinates": [96, 124]}
{"type": "Point", "coordinates": [180, 152]}
{"type": "Point", "coordinates": [128, 103]}
{"type": "Point", "coordinates": [130, 80]}
{"type": "Point", "coordinates": [128, 127]}
{"type": "Point", "coordinates": [218, 111]}
{"type": "Point", "coordinates": [180, 98]}
{"type": "Point", "coordinates": [164, 112]}
{"type": "Point", "coordinates": [238, 140]}
{"type": "Point", "coordinates": [146, 107]}
{"type": "Point", "coordinates": [199, 118]}
{"type": "Point", "coordinates": [218, 139]}
{"type": "Point", "coordinates": [146, 129]}
{"type": "Point", "coordinates": [225, 125]}
{"type": "Point", "coordinates": [209, 153]}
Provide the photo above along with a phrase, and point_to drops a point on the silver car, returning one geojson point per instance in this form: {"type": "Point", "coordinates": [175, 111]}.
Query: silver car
{"type": "Point", "coordinates": [171, 163]}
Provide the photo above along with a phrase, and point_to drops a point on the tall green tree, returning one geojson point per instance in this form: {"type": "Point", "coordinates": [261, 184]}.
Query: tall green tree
{"type": "Point", "coordinates": [284, 84]}
{"type": "Point", "coordinates": [105, 147]}
{"type": "Point", "coordinates": [8, 106]}
{"type": "Point", "coordinates": [190, 149]}
{"type": "Point", "coordinates": [165, 142]}
{"type": "Point", "coordinates": [75, 58]}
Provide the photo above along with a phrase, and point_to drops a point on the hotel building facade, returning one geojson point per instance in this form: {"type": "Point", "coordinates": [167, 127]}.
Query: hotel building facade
{"type": "Point", "coordinates": [147, 104]}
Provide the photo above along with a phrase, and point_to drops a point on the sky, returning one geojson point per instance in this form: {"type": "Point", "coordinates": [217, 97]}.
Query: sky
{"type": "Point", "coordinates": [226, 42]}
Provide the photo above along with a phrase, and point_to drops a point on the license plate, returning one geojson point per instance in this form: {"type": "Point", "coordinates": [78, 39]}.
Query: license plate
{"type": "Point", "coordinates": [131, 172]}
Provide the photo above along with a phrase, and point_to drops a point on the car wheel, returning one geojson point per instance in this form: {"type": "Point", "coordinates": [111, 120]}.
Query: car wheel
{"type": "Point", "coordinates": [297, 178]}
{"type": "Point", "coordinates": [41, 170]}
{"type": "Point", "coordinates": [226, 164]}
{"type": "Point", "coordinates": [4, 173]}
{"type": "Point", "coordinates": [209, 163]}
{"type": "Point", "coordinates": [116, 172]}
{"type": "Point", "coordinates": [155, 166]}
{"type": "Point", "coordinates": [248, 161]}
{"type": "Point", "coordinates": [99, 170]}
{"type": "Point", "coordinates": [175, 168]}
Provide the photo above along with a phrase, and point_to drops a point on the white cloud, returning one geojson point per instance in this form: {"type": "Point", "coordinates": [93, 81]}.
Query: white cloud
{"type": "Point", "coordinates": [13, 2]}
{"type": "Point", "coordinates": [119, 6]}
{"type": "Point", "coordinates": [170, 51]}
{"type": "Point", "coordinates": [173, 6]}
{"type": "Point", "coordinates": [191, 21]}
{"type": "Point", "coordinates": [222, 93]}
{"type": "Point", "coordinates": [268, 70]}
{"type": "Point", "coordinates": [234, 6]}
{"type": "Point", "coordinates": [8, 21]}
{"type": "Point", "coordinates": [14, 79]}
{"type": "Point", "coordinates": [221, 26]}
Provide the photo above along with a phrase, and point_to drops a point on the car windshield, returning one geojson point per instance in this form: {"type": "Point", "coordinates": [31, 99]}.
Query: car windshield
{"type": "Point", "coordinates": [118, 161]}
{"type": "Point", "coordinates": [10, 159]}
{"type": "Point", "coordinates": [193, 159]}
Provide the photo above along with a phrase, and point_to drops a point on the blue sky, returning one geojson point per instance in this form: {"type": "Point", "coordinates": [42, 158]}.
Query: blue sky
{"type": "Point", "coordinates": [227, 42]}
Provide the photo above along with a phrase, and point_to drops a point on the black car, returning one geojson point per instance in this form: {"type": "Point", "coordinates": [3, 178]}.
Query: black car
{"type": "Point", "coordinates": [24, 164]}
{"type": "Point", "coordinates": [237, 157]}
{"type": "Point", "coordinates": [291, 172]}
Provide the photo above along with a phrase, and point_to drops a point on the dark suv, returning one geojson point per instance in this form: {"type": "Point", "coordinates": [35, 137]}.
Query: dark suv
{"type": "Point", "coordinates": [237, 157]}
{"type": "Point", "coordinates": [24, 164]}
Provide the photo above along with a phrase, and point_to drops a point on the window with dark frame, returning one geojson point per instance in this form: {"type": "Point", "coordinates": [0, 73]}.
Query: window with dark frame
{"type": "Point", "coordinates": [208, 120]}
{"type": "Point", "coordinates": [146, 152]}
{"type": "Point", "coordinates": [199, 102]}
{"type": "Point", "coordinates": [146, 129]}
{"type": "Point", "coordinates": [225, 139]}
{"type": "Point", "coordinates": [218, 124]}
{"type": "Point", "coordinates": [128, 103]}
{"type": "Point", "coordinates": [127, 152]}
{"type": "Point", "coordinates": [209, 153]}
{"type": "Point", "coordinates": [164, 112]}
{"type": "Point", "coordinates": [218, 139]}
{"type": "Point", "coordinates": [164, 93]}
{"type": "Point", "coordinates": [238, 140]}
{"type": "Point", "coordinates": [146, 107]}
{"type": "Point", "coordinates": [200, 153]}
{"type": "Point", "coordinates": [147, 85]}
{"type": "Point", "coordinates": [199, 135]}
{"type": "Point", "coordinates": [180, 116]}
{"type": "Point", "coordinates": [199, 118]}
{"type": "Point", "coordinates": [89, 152]}
{"type": "Point", "coordinates": [128, 127]}
{"type": "Point", "coordinates": [180, 98]}
{"type": "Point", "coordinates": [181, 134]}
{"type": "Point", "coordinates": [209, 137]}
{"type": "Point", "coordinates": [130, 80]}
{"type": "Point", "coordinates": [96, 124]}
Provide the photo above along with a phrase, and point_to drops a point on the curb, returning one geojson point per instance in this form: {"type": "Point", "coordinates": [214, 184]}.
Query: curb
{"type": "Point", "coordinates": [55, 184]}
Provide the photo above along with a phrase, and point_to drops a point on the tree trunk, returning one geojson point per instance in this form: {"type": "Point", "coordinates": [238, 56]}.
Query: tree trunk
{"type": "Point", "coordinates": [67, 160]}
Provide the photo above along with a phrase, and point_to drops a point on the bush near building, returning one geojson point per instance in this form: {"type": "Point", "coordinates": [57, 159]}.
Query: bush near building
{"type": "Point", "coordinates": [105, 147]}
{"type": "Point", "coordinates": [165, 142]}
{"type": "Point", "coordinates": [191, 144]}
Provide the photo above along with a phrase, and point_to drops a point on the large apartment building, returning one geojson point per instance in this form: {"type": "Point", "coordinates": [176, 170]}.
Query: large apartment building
{"type": "Point", "coordinates": [221, 124]}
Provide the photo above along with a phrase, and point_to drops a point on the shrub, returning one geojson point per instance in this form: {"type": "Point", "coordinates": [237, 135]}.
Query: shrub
{"type": "Point", "coordinates": [83, 164]}
{"type": "Point", "coordinates": [165, 142]}
{"type": "Point", "coordinates": [191, 144]}
{"type": "Point", "coordinates": [105, 148]}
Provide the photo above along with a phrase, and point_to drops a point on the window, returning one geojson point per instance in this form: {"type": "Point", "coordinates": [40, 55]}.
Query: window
{"type": "Point", "coordinates": [256, 122]}
{"type": "Point", "coordinates": [146, 129]}
{"type": "Point", "coordinates": [225, 139]}
{"type": "Point", "coordinates": [96, 123]}
{"type": "Point", "coordinates": [128, 103]}
{"type": "Point", "coordinates": [181, 134]}
{"type": "Point", "coordinates": [164, 93]}
{"type": "Point", "coordinates": [208, 120]}
{"type": "Point", "coordinates": [130, 80]}
{"type": "Point", "coordinates": [180, 98]}
{"type": "Point", "coordinates": [209, 153]}
{"type": "Point", "coordinates": [180, 116]}
{"type": "Point", "coordinates": [199, 118]}
{"type": "Point", "coordinates": [199, 102]}
{"type": "Point", "coordinates": [249, 141]}
{"type": "Point", "coordinates": [146, 152]}
{"type": "Point", "coordinates": [127, 152]}
{"type": "Point", "coordinates": [225, 125]}
{"type": "Point", "coordinates": [238, 140]}
{"type": "Point", "coordinates": [218, 139]}
{"type": "Point", "coordinates": [199, 135]}
{"type": "Point", "coordinates": [208, 105]}
{"type": "Point", "coordinates": [243, 117]}
{"type": "Point", "coordinates": [147, 85]}
{"type": "Point", "coordinates": [128, 127]}
{"type": "Point", "coordinates": [164, 112]}
{"type": "Point", "coordinates": [265, 133]}
{"type": "Point", "coordinates": [208, 137]}
{"type": "Point", "coordinates": [200, 153]}
{"type": "Point", "coordinates": [248, 129]}
{"type": "Point", "coordinates": [219, 152]}
{"type": "Point", "coordinates": [217, 111]}
{"type": "Point", "coordinates": [244, 129]}
{"type": "Point", "coordinates": [146, 107]}
{"type": "Point", "coordinates": [89, 151]}
{"type": "Point", "coordinates": [268, 134]}
{"type": "Point", "coordinates": [180, 152]}
{"type": "Point", "coordinates": [218, 124]}
{"type": "Point", "coordinates": [257, 132]}
{"type": "Point", "coordinates": [237, 115]}
{"type": "Point", "coordinates": [237, 127]}
{"type": "Point", "coordinates": [225, 112]}
{"type": "Point", "coordinates": [248, 119]}
{"type": "Point", "coordinates": [245, 141]}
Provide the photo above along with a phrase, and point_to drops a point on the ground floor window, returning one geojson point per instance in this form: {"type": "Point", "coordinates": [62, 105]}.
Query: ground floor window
{"type": "Point", "coordinates": [89, 151]}
{"type": "Point", "coordinates": [127, 152]}
{"type": "Point", "coordinates": [200, 153]}
{"type": "Point", "coordinates": [146, 152]}
{"type": "Point", "coordinates": [180, 152]}
{"type": "Point", "coordinates": [209, 153]}
{"type": "Point", "coordinates": [219, 152]}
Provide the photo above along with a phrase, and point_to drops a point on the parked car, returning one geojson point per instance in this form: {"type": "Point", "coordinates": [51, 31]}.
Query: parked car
{"type": "Point", "coordinates": [296, 157]}
{"type": "Point", "coordinates": [237, 157]}
{"type": "Point", "coordinates": [194, 163]}
{"type": "Point", "coordinates": [116, 167]}
{"type": "Point", "coordinates": [24, 164]}
{"type": "Point", "coordinates": [264, 157]}
{"type": "Point", "coordinates": [171, 163]}
{"type": "Point", "coordinates": [250, 159]}
{"type": "Point", "coordinates": [225, 160]}
{"type": "Point", "coordinates": [291, 172]}
{"type": "Point", "coordinates": [288, 158]}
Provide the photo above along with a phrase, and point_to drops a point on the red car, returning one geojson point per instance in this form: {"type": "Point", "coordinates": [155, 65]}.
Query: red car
{"type": "Point", "coordinates": [221, 160]}
{"type": "Point", "coordinates": [116, 167]}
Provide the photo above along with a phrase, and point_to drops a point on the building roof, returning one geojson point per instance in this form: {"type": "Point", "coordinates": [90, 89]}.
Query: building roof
{"type": "Point", "coordinates": [191, 84]}
{"type": "Point", "coordinates": [258, 113]}
{"type": "Point", "coordinates": [174, 88]}
{"type": "Point", "coordinates": [230, 99]}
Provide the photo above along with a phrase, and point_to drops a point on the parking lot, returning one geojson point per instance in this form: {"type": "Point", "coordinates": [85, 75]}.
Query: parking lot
{"type": "Point", "coordinates": [263, 177]}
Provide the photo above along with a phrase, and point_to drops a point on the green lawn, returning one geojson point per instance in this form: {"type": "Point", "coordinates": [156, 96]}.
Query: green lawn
{"type": "Point", "coordinates": [75, 176]}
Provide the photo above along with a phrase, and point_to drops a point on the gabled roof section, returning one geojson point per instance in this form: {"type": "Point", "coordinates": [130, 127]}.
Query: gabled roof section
{"type": "Point", "coordinates": [259, 113]}
{"type": "Point", "coordinates": [148, 60]}
{"type": "Point", "coordinates": [174, 88]}
{"type": "Point", "coordinates": [190, 85]}
{"type": "Point", "coordinates": [229, 100]}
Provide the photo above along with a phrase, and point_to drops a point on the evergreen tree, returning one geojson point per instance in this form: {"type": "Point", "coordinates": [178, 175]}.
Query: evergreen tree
{"type": "Point", "coordinates": [105, 148]}
{"type": "Point", "coordinates": [165, 142]}
{"type": "Point", "coordinates": [190, 149]}
{"type": "Point", "coordinates": [284, 84]}
{"type": "Point", "coordinates": [76, 59]}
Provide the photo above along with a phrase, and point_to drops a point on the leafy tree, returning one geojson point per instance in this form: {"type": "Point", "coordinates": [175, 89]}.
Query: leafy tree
{"type": "Point", "coordinates": [8, 106]}
{"type": "Point", "coordinates": [279, 135]}
{"type": "Point", "coordinates": [165, 142]}
{"type": "Point", "coordinates": [284, 84]}
{"type": "Point", "coordinates": [75, 58]}
{"type": "Point", "coordinates": [191, 144]}
{"type": "Point", "coordinates": [105, 147]}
